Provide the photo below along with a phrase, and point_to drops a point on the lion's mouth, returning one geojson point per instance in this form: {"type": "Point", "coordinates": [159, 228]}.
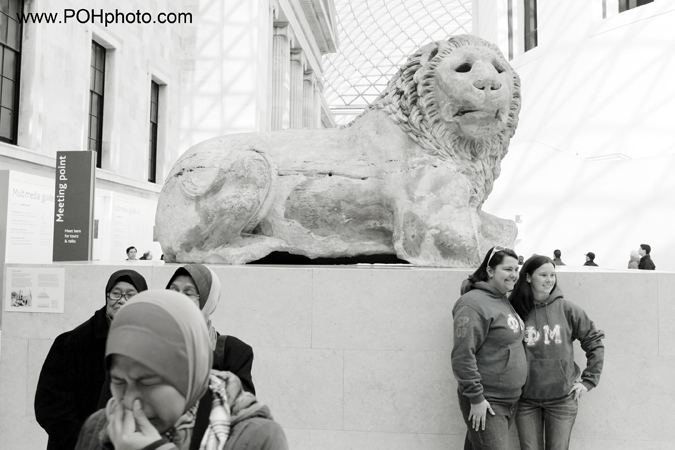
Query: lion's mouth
{"type": "Point", "coordinates": [478, 113]}
{"type": "Point", "coordinates": [463, 112]}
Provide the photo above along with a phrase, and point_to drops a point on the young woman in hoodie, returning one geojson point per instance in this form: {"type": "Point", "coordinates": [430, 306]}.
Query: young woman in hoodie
{"type": "Point", "coordinates": [548, 406]}
{"type": "Point", "coordinates": [165, 395]}
{"type": "Point", "coordinates": [488, 358]}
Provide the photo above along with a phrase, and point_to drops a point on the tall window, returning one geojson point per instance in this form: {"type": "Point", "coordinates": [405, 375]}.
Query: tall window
{"type": "Point", "coordinates": [10, 57]}
{"type": "Point", "coordinates": [96, 84]}
{"type": "Point", "coordinates": [154, 106]}
{"type": "Point", "coordinates": [530, 9]}
{"type": "Point", "coordinates": [625, 5]}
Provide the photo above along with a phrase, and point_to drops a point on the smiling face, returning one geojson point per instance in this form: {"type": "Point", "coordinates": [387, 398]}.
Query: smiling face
{"type": "Point", "coordinates": [473, 89]}
{"type": "Point", "coordinates": [504, 275]}
{"type": "Point", "coordinates": [542, 281]}
{"type": "Point", "coordinates": [162, 403]}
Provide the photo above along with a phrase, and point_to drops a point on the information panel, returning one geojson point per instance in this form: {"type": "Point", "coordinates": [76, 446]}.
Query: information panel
{"type": "Point", "coordinates": [29, 224]}
{"type": "Point", "coordinates": [74, 205]}
{"type": "Point", "coordinates": [34, 289]}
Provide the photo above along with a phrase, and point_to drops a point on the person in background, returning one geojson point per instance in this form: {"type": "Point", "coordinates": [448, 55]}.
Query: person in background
{"type": "Point", "coordinates": [488, 359]}
{"type": "Point", "coordinates": [590, 259]}
{"type": "Point", "coordinates": [146, 256]}
{"type": "Point", "coordinates": [131, 253]}
{"type": "Point", "coordinates": [521, 260]}
{"type": "Point", "coordinates": [202, 286]}
{"type": "Point", "coordinates": [549, 404]}
{"type": "Point", "coordinates": [646, 262]}
{"type": "Point", "coordinates": [634, 259]}
{"type": "Point", "coordinates": [165, 397]}
{"type": "Point", "coordinates": [556, 258]}
{"type": "Point", "coordinates": [73, 375]}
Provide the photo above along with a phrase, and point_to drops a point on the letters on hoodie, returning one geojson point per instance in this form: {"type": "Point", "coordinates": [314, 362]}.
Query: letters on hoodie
{"type": "Point", "coordinates": [532, 336]}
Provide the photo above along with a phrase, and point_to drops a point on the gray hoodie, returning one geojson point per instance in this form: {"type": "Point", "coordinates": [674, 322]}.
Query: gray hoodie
{"type": "Point", "coordinates": [550, 331]}
{"type": "Point", "coordinates": [488, 358]}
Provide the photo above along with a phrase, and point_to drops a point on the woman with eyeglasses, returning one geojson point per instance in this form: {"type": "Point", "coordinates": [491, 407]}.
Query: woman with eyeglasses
{"type": "Point", "coordinates": [165, 395]}
{"type": "Point", "coordinates": [488, 359]}
{"type": "Point", "coordinates": [548, 407]}
{"type": "Point", "coordinates": [73, 375]}
{"type": "Point", "coordinates": [202, 286]}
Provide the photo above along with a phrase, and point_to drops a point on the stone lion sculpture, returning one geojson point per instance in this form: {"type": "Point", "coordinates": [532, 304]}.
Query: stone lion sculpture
{"type": "Point", "coordinates": [407, 177]}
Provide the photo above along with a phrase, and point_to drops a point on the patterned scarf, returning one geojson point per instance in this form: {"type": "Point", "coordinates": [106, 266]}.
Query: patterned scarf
{"type": "Point", "coordinates": [229, 399]}
{"type": "Point", "coordinates": [219, 420]}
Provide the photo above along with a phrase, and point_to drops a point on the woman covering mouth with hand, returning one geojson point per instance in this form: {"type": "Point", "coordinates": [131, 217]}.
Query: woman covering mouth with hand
{"type": "Point", "coordinates": [165, 397]}
{"type": "Point", "coordinates": [549, 404]}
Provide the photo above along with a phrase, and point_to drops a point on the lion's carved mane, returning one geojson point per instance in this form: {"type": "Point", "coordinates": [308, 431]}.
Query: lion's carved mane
{"type": "Point", "coordinates": [409, 100]}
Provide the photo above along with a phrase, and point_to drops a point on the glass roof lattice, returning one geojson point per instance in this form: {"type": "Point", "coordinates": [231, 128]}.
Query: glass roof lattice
{"type": "Point", "coordinates": [376, 37]}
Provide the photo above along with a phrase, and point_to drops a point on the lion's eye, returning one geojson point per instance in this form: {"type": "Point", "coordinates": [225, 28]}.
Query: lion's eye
{"type": "Point", "coordinates": [498, 68]}
{"type": "Point", "coordinates": [466, 67]}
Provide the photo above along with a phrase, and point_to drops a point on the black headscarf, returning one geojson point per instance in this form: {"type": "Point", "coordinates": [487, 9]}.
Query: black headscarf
{"type": "Point", "coordinates": [128, 276]}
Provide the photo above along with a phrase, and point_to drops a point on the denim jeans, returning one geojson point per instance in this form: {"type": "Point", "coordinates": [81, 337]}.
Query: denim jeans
{"type": "Point", "coordinates": [496, 433]}
{"type": "Point", "coordinates": [546, 424]}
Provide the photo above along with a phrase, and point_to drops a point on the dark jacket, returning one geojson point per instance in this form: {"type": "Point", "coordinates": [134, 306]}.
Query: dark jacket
{"type": "Point", "coordinates": [646, 263]}
{"type": "Point", "coordinates": [550, 331]}
{"type": "Point", "coordinates": [488, 358]}
{"type": "Point", "coordinates": [236, 356]}
{"type": "Point", "coordinates": [70, 381]}
{"type": "Point", "coordinates": [253, 428]}
{"type": "Point", "coordinates": [590, 263]}
{"type": "Point", "coordinates": [231, 355]}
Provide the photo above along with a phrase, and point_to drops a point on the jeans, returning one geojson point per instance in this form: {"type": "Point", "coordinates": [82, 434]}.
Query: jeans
{"type": "Point", "coordinates": [496, 433]}
{"type": "Point", "coordinates": [546, 424]}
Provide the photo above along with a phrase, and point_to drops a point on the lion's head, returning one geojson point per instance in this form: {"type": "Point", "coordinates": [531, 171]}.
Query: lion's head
{"type": "Point", "coordinates": [459, 99]}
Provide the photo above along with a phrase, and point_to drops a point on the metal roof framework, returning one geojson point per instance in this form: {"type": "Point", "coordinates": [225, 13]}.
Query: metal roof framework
{"type": "Point", "coordinates": [376, 37]}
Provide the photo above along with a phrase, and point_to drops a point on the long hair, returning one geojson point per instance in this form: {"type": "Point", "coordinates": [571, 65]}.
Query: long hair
{"type": "Point", "coordinates": [522, 297]}
{"type": "Point", "coordinates": [494, 257]}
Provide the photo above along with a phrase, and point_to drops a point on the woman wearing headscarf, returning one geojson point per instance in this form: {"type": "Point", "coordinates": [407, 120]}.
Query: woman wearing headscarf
{"type": "Point", "coordinates": [73, 374]}
{"type": "Point", "coordinates": [165, 397]}
{"type": "Point", "coordinates": [202, 286]}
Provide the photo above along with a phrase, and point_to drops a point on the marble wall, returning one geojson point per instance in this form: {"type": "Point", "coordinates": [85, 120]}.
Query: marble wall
{"type": "Point", "coordinates": [358, 357]}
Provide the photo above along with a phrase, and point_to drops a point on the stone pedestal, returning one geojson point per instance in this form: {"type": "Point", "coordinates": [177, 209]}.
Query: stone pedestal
{"type": "Point", "coordinates": [359, 356]}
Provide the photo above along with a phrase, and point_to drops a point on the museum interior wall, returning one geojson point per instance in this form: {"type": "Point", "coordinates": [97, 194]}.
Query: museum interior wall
{"type": "Point", "coordinates": [359, 357]}
{"type": "Point", "coordinates": [214, 77]}
{"type": "Point", "coordinates": [588, 168]}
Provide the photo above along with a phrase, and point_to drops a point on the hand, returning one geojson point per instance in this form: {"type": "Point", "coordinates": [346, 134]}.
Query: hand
{"type": "Point", "coordinates": [478, 414]}
{"type": "Point", "coordinates": [579, 390]}
{"type": "Point", "coordinates": [131, 430]}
